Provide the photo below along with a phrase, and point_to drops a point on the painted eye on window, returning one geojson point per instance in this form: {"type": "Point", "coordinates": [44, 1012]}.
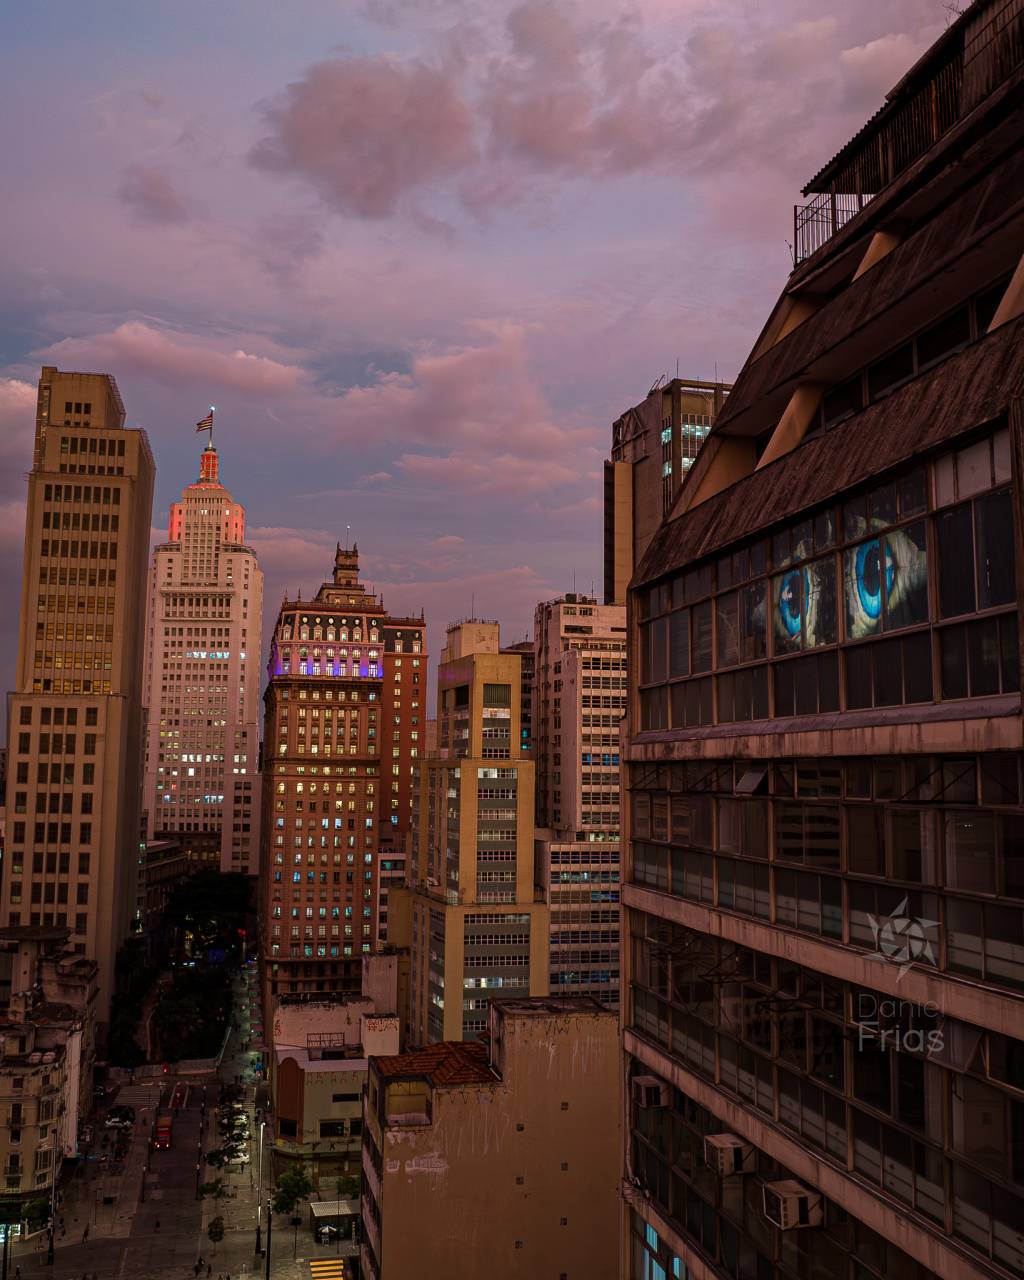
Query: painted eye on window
{"type": "Point", "coordinates": [790, 602]}
{"type": "Point", "coordinates": [886, 582]}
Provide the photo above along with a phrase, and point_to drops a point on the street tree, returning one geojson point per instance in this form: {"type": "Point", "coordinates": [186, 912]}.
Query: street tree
{"type": "Point", "coordinates": [292, 1187]}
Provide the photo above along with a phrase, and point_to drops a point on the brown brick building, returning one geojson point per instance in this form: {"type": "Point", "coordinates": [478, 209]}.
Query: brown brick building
{"type": "Point", "coordinates": [342, 730]}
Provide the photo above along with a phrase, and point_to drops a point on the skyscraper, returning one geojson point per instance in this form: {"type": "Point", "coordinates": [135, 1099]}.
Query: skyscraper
{"type": "Point", "coordinates": [342, 723]}
{"type": "Point", "coordinates": [824, 1024]}
{"type": "Point", "coordinates": [654, 444]}
{"type": "Point", "coordinates": [579, 700]}
{"type": "Point", "coordinates": [75, 715]}
{"type": "Point", "coordinates": [477, 927]}
{"type": "Point", "coordinates": [203, 654]}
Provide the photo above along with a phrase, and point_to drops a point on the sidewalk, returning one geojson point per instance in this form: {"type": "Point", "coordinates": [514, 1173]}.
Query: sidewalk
{"type": "Point", "coordinates": [236, 1255]}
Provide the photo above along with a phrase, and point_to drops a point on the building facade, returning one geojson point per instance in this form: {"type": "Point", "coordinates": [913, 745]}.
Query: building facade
{"type": "Point", "coordinates": [75, 715]}
{"type": "Point", "coordinates": [824, 998]}
{"type": "Point", "coordinates": [579, 701]}
{"type": "Point", "coordinates": [502, 1156]}
{"type": "Point", "coordinates": [478, 927]}
{"type": "Point", "coordinates": [203, 655]}
{"type": "Point", "coordinates": [47, 1054]}
{"type": "Point", "coordinates": [654, 444]}
{"type": "Point", "coordinates": [343, 711]}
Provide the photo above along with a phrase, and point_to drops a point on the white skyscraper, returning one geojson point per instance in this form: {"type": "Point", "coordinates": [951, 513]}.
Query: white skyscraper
{"type": "Point", "coordinates": [203, 679]}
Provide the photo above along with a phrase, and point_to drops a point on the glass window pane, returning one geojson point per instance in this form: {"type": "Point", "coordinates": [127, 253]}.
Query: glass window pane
{"type": "Point", "coordinates": [679, 643]}
{"type": "Point", "coordinates": [862, 589]}
{"type": "Point", "coordinates": [702, 637]}
{"type": "Point", "coordinates": [753, 638]}
{"type": "Point", "coordinates": [787, 611]}
{"type": "Point", "coordinates": [727, 619]}
{"type": "Point", "coordinates": [820, 602]}
{"type": "Point", "coordinates": [970, 851]}
{"type": "Point", "coordinates": [659, 650]}
{"type": "Point", "coordinates": [983, 658]}
{"type": "Point", "coordinates": [1009, 656]}
{"type": "Point", "coordinates": [917, 667]}
{"type": "Point", "coordinates": [887, 661]}
{"type": "Point", "coordinates": [865, 840]}
{"type": "Point", "coordinates": [858, 677]}
{"type": "Point", "coordinates": [828, 681]}
{"type": "Point", "coordinates": [993, 522]}
{"type": "Point", "coordinates": [906, 576]}
{"type": "Point", "coordinates": [953, 658]}
{"type": "Point", "coordinates": [956, 585]}
{"type": "Point", "coordinates": [974, 468]}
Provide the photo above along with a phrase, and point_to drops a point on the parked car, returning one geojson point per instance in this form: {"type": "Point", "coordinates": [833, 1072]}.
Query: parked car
{"type": "Point", "coordinates": [120, 1118]}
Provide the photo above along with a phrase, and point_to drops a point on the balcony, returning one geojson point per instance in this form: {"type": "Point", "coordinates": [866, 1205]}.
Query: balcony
{"type": "Point", "coordinates": [981, 50]}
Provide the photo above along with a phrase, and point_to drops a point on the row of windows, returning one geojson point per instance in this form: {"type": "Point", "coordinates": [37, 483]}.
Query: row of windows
{"type": "Point", "coordinates": [81, 493]}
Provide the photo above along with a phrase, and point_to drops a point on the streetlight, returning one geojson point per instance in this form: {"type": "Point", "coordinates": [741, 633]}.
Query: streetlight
{"type": "Point", "coordinates": [270, 1224]}
{"type": "Point", "coordinates": [259, 1194]}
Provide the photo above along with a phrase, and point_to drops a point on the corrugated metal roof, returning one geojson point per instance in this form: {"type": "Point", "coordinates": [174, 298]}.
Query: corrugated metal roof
{"type": "Point", "coordinates": [963, 392]}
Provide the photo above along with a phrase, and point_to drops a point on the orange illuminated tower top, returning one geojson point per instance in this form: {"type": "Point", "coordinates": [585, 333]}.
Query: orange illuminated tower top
{"type": "Point", "coordinates": [208, 490]}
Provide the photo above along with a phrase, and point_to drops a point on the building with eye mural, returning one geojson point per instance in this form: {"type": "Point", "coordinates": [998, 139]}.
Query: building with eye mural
{"type": "Point", "coordinates": [823, 959]}
{"type": "Point", "coordinates": [342, 724]}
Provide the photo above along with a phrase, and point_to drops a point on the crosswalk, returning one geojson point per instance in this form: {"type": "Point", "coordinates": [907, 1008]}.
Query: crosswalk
{"type": "Point", "coordinates": [135, 1095]}
{"type": "Point", "coordinates": [328, 1269]}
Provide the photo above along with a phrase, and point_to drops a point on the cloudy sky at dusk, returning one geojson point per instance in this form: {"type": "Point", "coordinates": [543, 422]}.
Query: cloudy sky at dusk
{"type": "Point", "coordinates": [419, 253]}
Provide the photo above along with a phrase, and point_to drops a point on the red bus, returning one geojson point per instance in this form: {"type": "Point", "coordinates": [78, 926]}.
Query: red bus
{"type": "Point", "coordinates": [162, 1132]}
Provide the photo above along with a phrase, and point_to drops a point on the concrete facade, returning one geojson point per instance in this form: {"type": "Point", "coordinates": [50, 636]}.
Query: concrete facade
{"type": "Point", "coordinates": [203, 655]}
{"type": "Point", "coordinates": [824, 906]}
{"type": "Point", "coordinates": [579, 699]}
{"type": "Point", "coordinates": [477, 927]}
{"type": "Point", "coordinates": [501, 1158]}
{"type": "Point", "coordinates": [75, 715]}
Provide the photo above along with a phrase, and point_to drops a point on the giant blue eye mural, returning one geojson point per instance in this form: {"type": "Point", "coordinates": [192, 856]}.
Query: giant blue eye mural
{"type": "Point", "coordinates": [804, 606]}
{"type": "Point", "coordinates": [886, 582]}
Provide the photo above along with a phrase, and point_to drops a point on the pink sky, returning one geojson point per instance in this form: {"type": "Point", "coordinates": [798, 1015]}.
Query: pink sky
{"type": "Point", "coordinates": [419, 253]}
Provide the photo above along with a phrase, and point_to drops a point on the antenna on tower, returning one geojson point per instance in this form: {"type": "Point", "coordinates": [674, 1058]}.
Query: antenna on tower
{"type": "Point", "coordinates": [472, 606]}
{"type": "Point", "coordinates": [348, 530]}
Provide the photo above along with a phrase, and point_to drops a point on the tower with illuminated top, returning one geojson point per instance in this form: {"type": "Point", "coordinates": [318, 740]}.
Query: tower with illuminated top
{"type": "Point", "coordinates": [342, 723]}
{"type": "Point", "coordinates": [202, 677]}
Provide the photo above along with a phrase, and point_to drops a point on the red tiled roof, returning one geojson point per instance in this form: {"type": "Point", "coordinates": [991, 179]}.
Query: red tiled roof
{"type": "Point", "coordinates": [451, 1062]}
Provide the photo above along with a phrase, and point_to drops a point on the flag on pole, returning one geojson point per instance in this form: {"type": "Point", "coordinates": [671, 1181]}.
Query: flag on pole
{"type": "Point", "coordinates": [206, 424]}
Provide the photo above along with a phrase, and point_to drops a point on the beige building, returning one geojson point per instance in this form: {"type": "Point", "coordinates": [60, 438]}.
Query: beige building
{"type": "Point", "coordinates": [203, 657]}
{"type": "Point", "coordinates": [579, 696]}
{"type": "Point", "coordinates": [654, 445]}
{"type": "Point", "coordinates": [478, 929]}
{"type": "Point", "coordinates": [318, 1069]}
{"type": "Point", "coordinates": [47, 1051]}
{"type": "Point", "coordinates": [498, 1158]}
{"type": "Point", "coordinates": [75, 715]}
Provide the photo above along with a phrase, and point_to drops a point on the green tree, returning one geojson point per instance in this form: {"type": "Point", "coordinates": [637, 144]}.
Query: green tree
{"type": "Point", "coordinates": [291, 1188]}
{"type": "Point", "coordinates": [347, 1188]}
{"type": "Point", "coordinates": [215, 1231]}
{"type": "Point", "coordinates": [209, 907]}
{"type": "Point", "coordinates": [216, 1190]}
{"type": "Point", "coordinates": [222, 1156]}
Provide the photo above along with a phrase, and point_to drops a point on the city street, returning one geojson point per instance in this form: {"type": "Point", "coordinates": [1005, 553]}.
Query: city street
{"type": "Point", "coordinates": [163, 1234]}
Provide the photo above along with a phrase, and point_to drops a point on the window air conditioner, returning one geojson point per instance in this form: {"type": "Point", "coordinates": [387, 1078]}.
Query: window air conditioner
{"type": "Point", "coordinates": [649, 1091]}
{"type": "Point", "coordinates": [727, 1154]}
{"type": "Point", "coordinates": [790, 1204]}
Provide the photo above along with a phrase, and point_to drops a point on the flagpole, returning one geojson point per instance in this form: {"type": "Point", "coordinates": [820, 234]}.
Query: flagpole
{"type": "Point", "coordinates": [212, 411]}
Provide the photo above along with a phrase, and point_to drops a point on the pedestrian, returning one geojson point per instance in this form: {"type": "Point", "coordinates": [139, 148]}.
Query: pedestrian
{"type": "Point", "coordinates": [157, 1224]}
{"type": "Point", "coordinates": [85, 1234]}
{"type": "Point", "coordinates": [17, 1272]}
{"type": "Point", "coordinates": [209, 1271]}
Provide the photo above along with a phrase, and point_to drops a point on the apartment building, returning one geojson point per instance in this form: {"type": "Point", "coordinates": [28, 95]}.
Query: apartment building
{"type": "Point", "coordinates": [203, 655]}
{"type": "Point", "coordinates": [501, 1156]}
{"type": "Point", "coordinates": [75, 714]}
{"type": "Point", "coordinates": [343, 715]}
{"type": "Point", "coordinates": [654, 445]}
{"type": "Point", "coordinates": [478, 928]}
{"type": "Point", "coordinates": [579, 700]}
{"type": "Point", "coordinates": [822, 1003]}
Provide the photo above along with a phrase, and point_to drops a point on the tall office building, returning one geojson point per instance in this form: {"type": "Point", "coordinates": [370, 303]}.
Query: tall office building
{"type": "Point", "coordinates": [75, 715]}
{"type": "Point", "coordinates": [477, 927]}
{"type": "Point", "coordinates": [343, 717]}
{"type": "Point", "coordinates": [203, 653]}
{"type": "Point", "coordinates": [823, 1012]}
{"type": "Point", "coordinates": [579, 701]}
{"type": "Point", "coordinates": [654, 444]}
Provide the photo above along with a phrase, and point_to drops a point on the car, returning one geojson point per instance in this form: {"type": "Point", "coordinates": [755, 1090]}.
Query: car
{"type": "Point", "coordinates": [241, 1159]}
{"type": "Point", "coordinates": [120, 1118]}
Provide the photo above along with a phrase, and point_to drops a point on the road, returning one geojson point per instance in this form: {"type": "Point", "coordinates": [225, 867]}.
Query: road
{"type": "Point", "coordinates": [149, 1225]}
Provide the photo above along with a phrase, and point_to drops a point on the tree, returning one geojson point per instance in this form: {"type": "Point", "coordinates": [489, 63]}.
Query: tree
{"type": "Point", "coordinates": [347, 1188]}
{"type": "Point", "coordinates": [217, 1189]}
{"type": "Point", "coordinates": [291, 1188]}
{"type": "Point", "coordinates": [209, 906]}
{"type": "Point", "coordinates": [215, 1231]}
{"type": "Point", "coordinates": [221, 1156]}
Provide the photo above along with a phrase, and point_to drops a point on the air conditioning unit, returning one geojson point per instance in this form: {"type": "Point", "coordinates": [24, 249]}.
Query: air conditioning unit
{"type": "Point", "coordinates": [727, 1154]}
{"type": "Point", "coordinates": [649, 1091]}
{"type": "Point", "coordinates": [790, 1204]}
